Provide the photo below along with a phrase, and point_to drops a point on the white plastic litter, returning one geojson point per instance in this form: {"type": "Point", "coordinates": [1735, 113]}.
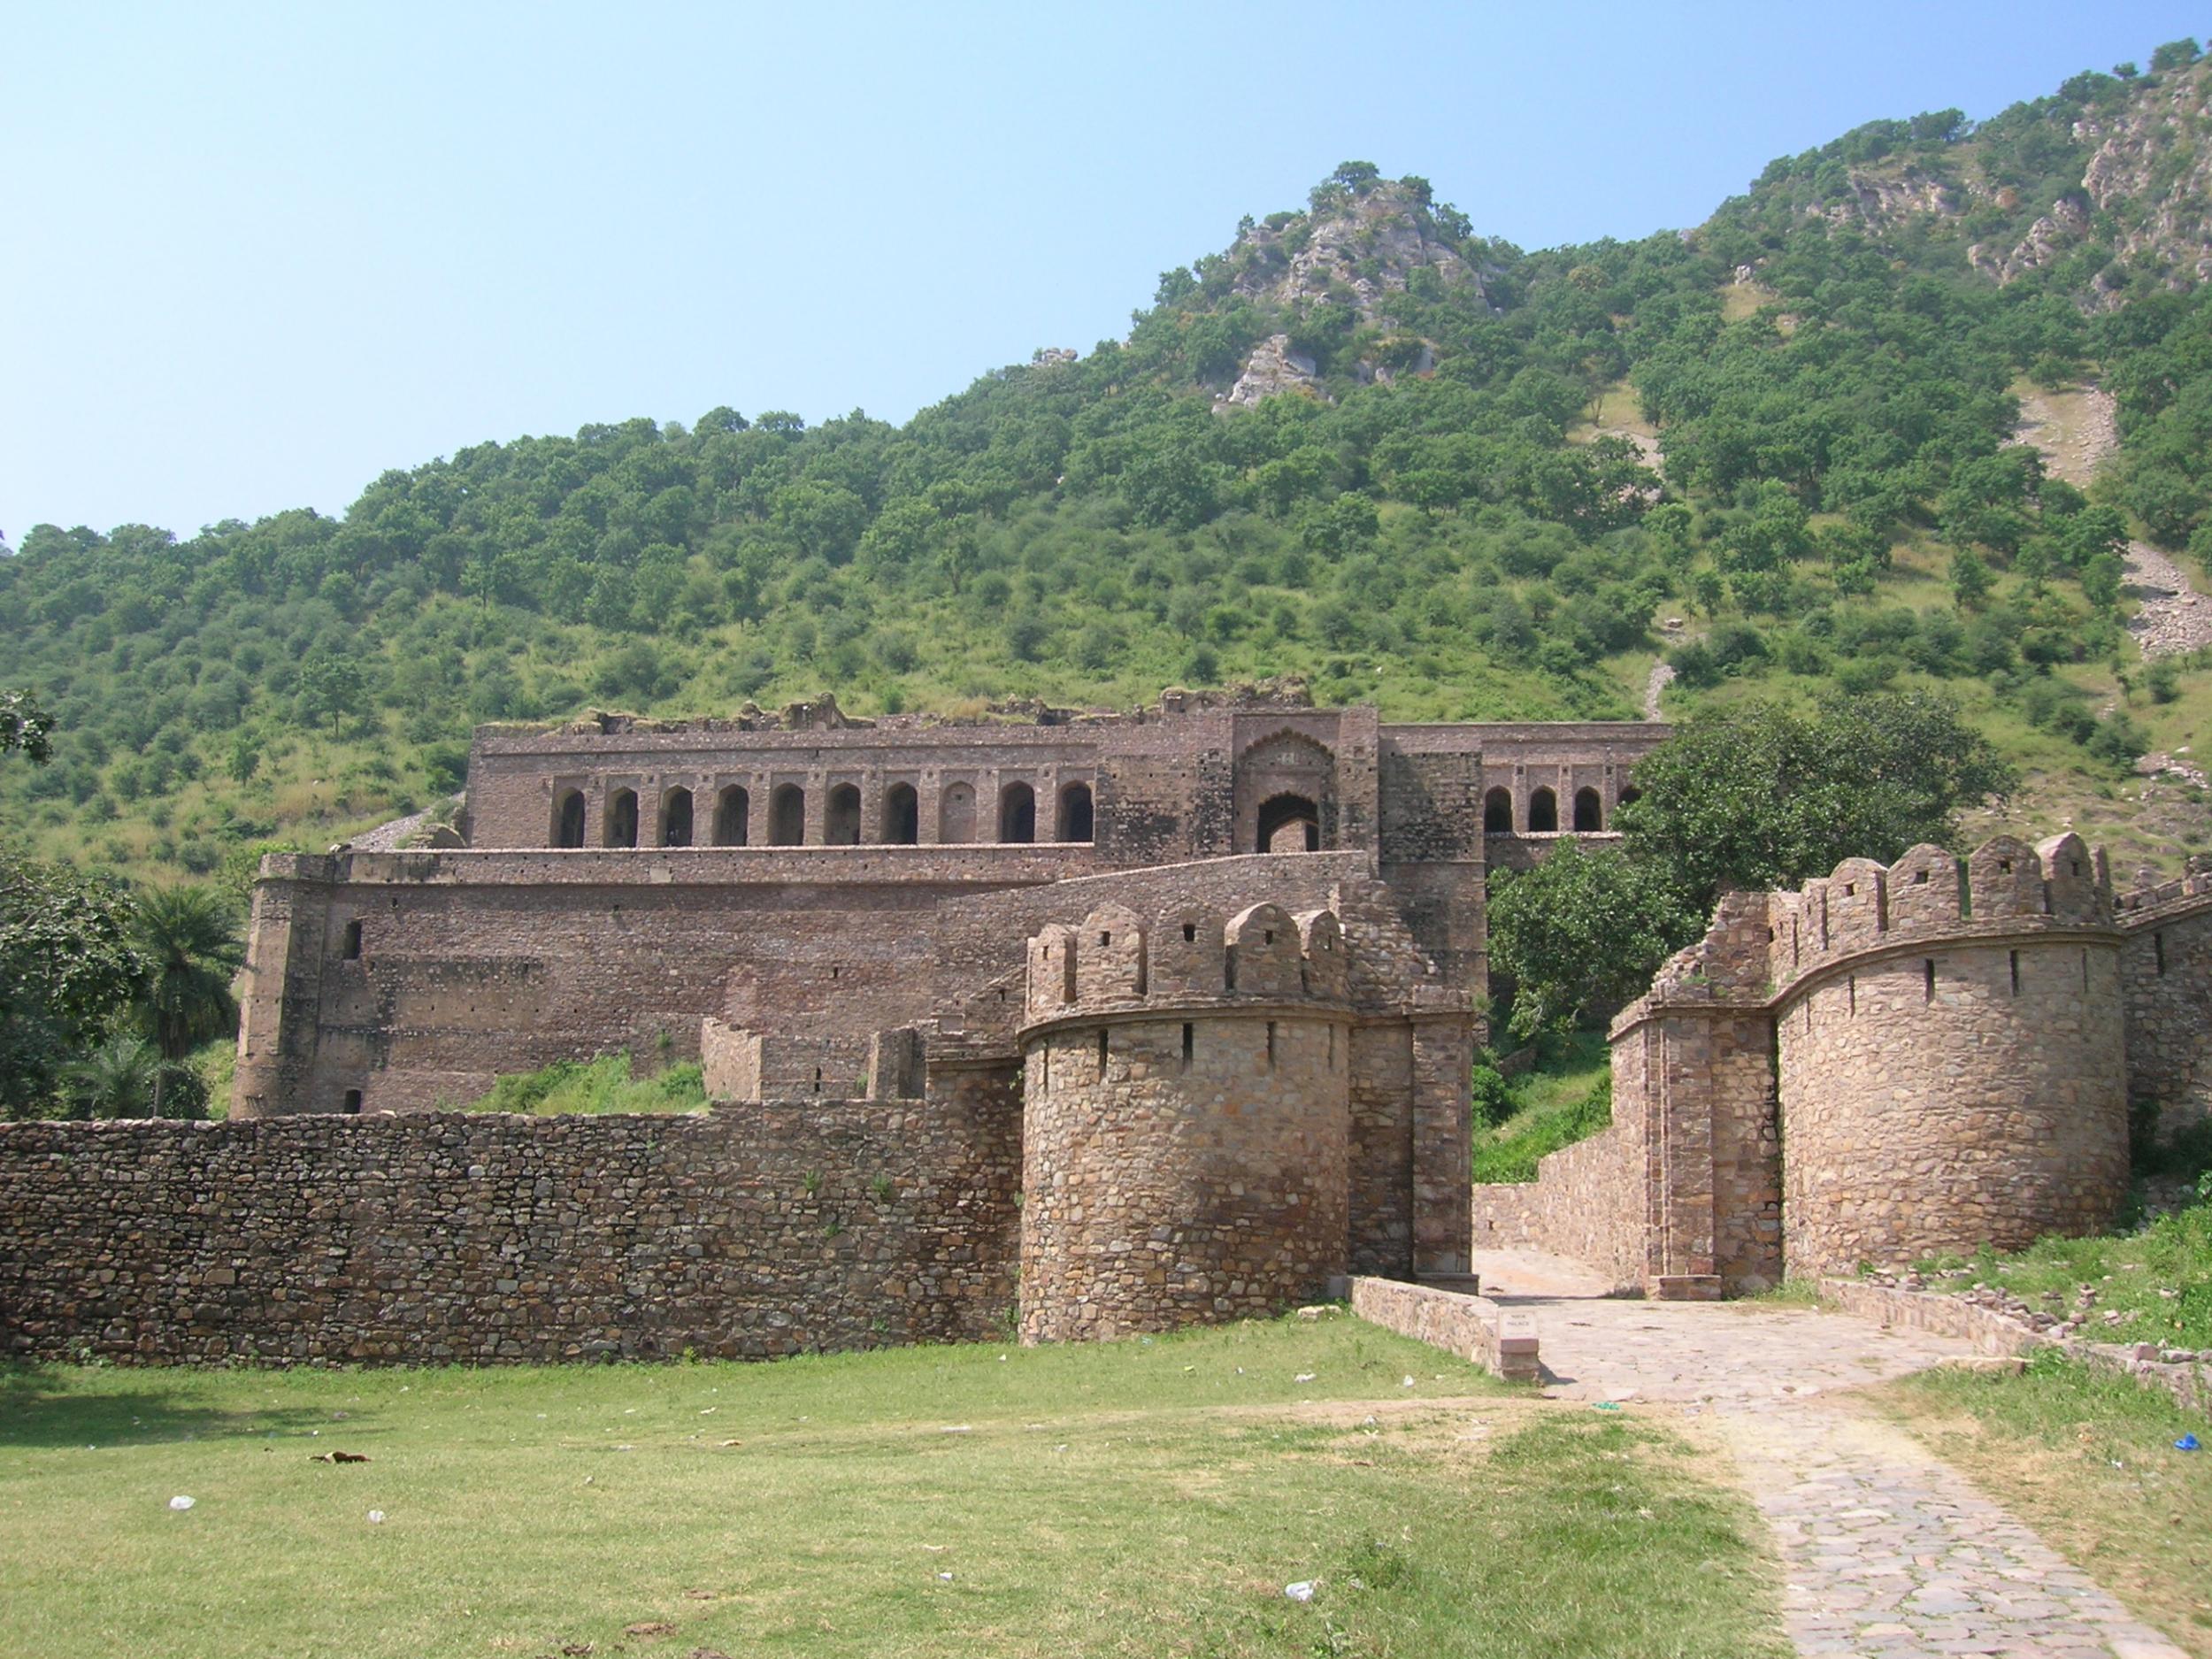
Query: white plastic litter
{"type": "Point", "coordinates": [1304, 1376]}
{"type": "Point", "coordinates": [376, 1518]}
{"type": "Point", "coordinates": [1407, 1383]}
{"type": "Point", "coordinates": [180, 1503]}
{"type": "Point", "coordinates": [946, 1577]}
{"type": "Point", "coordinates": [1301, 1591]}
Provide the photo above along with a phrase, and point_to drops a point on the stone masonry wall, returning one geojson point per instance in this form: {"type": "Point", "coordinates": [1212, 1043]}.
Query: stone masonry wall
{"type": "Point", "coordinates": [2166, 979]}
{"type": "Point", "coordinates": [750, 1232]}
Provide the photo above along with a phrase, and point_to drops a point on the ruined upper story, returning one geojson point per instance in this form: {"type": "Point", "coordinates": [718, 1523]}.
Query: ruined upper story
{"type": "Point", "coordinates": [1194, 776]}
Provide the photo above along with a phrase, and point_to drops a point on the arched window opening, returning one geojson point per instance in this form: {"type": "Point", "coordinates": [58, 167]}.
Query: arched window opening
{"type": "Point", "coordinates": [841, 825]}
{"type": "Point", "coordinates": [731, 808]}
{"type": "Point", "coordinates": [1543, 812]}
{"type": "Point", "coordinates": [1017, 813]}
{"type": "Point", "coordinates": [902, 815]}
{"type": "Point", "coordinates": [1289, 824]}
{"type": "Point", "coordinates": [1629, 794]}
{"type": "Point", "coordinates": [1497, 812]}
{"type": "Point", "coordinates": [1076, 823]}
{"type": "Point", "coordinates": [1589, 811]}
{"type": "Point", "coordinates": [786, 816]}
{"type": "Point", "coordinates": [622, 818]}
{"type": "Point", "coordinates": [955, 814]}
{"type": "Point", "coordinates": [676, 818]}
{"type": "Point", "coordinates": [568, 818]}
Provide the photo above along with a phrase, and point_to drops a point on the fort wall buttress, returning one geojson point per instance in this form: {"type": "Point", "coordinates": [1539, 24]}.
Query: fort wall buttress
{"type": "Point", "coordinates": [1185, 1139]}
{"type": "Point", "coordinates": [1951, 1054]}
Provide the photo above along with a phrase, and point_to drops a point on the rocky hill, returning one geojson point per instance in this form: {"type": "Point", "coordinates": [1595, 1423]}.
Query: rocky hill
{"type": "Point", "coordinates": [1777, 455]}
{"type": "Point", "coordinates": [2109, 179]}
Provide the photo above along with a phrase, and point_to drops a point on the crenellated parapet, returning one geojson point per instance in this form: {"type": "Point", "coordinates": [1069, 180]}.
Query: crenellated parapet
{"type": "Point", "coordinates": [1114, 962]}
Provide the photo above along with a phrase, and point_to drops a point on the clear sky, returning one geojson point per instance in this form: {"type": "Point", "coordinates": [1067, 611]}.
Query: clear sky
{"type": "Point", "coordinates": [254, 256]}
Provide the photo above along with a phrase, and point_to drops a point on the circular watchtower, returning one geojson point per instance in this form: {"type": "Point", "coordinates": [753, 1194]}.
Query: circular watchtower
{"type": "Point", "coordinates": [1949, 1050]}
{"type": "Point", "coordinates": [1186, 1124]}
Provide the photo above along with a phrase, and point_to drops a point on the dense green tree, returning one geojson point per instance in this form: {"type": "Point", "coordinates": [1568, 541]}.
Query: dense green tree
{"type": "Point", "coordinates": [1760, 795]}
{"type": "Point", "coordinates": [188, 938]}
{"type": "Point", "coordinates": [25, 726]}
{"type": "Point", "coordinates": [1581, 933]}
{"type": "Point", "coordinates": [67, 970]}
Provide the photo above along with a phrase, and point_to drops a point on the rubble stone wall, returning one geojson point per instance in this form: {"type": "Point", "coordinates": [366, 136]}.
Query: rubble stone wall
{"type": "Point", "coordinates": [750, 1232]}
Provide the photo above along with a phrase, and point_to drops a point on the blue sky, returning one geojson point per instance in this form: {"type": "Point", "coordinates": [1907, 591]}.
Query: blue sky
{"type": "Point", "coordinates": [256, 255]}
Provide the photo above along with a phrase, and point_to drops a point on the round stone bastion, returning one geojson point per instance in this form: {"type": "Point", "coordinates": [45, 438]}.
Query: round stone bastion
{"type": "Point", "coordinates": [1185, 1119]}
{"type": "Point", "coordinates": [1950, 1056]}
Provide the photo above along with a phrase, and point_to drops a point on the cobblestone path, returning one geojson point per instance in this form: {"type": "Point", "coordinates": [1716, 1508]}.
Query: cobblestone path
{"type": "Point", "coordinates": [1885, 1549]}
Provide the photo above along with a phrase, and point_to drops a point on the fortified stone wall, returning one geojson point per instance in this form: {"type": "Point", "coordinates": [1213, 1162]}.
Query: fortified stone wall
{"type": "Point", "coordinates": [751, 1231]}
{"type": "Point", "coordinates": [1951, 1054]}
{"type": "Point", "coordinates": [2166, 977]}
{"type": "Point", "coordinates": [1186, 1125]}
{"type": "Point", "coordinates": [1892, 1062]}
{"type": "Point", "coordinates": [400, 981]}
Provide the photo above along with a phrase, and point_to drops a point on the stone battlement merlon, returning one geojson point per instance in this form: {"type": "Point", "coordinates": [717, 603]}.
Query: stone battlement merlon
{"type": "Point", "coordinates": [1187, 955]}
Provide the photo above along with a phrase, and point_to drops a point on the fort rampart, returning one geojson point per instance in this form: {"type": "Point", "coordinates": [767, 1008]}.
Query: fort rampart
{"type": "Point", "coordinates": [750, 1232]}
{"type": "Point", "coordinates": [1890, 1063]}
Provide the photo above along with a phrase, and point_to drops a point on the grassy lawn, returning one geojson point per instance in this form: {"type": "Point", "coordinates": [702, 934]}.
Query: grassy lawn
{"type": "Point", "coordinates": [1146, 1497]}
{"type": "Point", "coordinates": [1567, 1097]}
{"type": "Point", "coordinates": [2089, 1461]}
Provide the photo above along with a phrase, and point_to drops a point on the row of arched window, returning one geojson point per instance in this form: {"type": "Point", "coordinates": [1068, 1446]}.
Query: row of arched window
{"type": "Point", "coordinates": [1543, 812]}
{"type": "Point", "coordinates": [898, 818]}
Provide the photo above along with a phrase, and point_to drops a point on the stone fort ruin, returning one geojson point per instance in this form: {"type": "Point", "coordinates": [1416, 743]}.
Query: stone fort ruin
{"type": "Point", "coordinates": [1068, 1024]}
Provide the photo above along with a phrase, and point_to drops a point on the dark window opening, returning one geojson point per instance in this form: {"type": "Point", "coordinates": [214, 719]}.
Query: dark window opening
{"type": "Point", "coordinates": [353, 1102]}
{"type": "Point", "coordinates": [676, 818]}
{"type": "Point", "coordinates": [1497, 812]}
{"type": "Point", "coordinates": [1630, 794]}
{"type": "Point", "coordinates": [901, 816]}
{"type": "Point", "coordinates": [1589, 811]}
{"type": "Point", "coordinates": [1101, 1056]}
{"type": "Point", "coordinates": [1543, 812]}
{"type": "Point", "coordinates": [622, 818]}
{"type": "Point", "coordinates": [786, 816]}
{"type": "Point", "coordinates": [353, 942]}
{"type": "Point", "coordinates": [1190, 1043]}
{"type": "Point", "coordinates": [1927, 969]}
{"type": "Point", "coordinates": [1077, 822]}
{"type": "Point", "coordinates": [1920, 877]}
{"type": "Point", "coordinates": [1017, 813]}
{"type": "Point", "coordinates": [568, 820]}
{"type": "Point", "coordinates": [2016, 972]}
{"type": "Point", "coordinates": [1854, 994]}
{"type": "Point", "coordinates": [817, 1079]}
{"type": "Point", "coordinates": [731, 808]}
{"type": "Point", "coordinates": [1190, 932]}
{"type": "Point", "coordinates": [1271, 1045]}
{"type": "Point", "coordinates": [841, 825]}
{"type": "Point", "coordinates": [1289, 824]}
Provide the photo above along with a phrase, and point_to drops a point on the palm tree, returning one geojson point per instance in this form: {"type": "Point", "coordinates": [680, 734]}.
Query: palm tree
{"type": "Point", "coordinates": [119, 1079]}
{"type": "Point", "coordinates": [190, 941]}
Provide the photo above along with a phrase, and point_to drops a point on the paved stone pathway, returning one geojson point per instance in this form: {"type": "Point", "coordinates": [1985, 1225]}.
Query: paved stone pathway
{"type": "Point", "coordinates": [1887, 1550]}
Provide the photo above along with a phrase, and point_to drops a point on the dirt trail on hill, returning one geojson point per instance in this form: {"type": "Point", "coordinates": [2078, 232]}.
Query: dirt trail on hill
{"type": "Point", "coordinates": [2173, 616]}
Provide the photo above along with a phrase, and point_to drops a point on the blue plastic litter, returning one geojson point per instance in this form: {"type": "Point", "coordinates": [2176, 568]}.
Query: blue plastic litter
{"type": "Point", "coordinates": [2186, 1443]}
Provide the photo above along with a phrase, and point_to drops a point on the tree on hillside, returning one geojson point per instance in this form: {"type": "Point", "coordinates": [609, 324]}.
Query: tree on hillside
{"type": "Point", "coordinates": [1765, 796]}
{"type": "Point", "coordinates": [25, 726]}
{"type": "Point", "coordinates": [67, 969]}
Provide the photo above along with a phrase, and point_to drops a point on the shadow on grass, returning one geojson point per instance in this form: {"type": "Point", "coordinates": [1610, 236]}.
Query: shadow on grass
{"type": "Point", "coordinates": [38, 1407]}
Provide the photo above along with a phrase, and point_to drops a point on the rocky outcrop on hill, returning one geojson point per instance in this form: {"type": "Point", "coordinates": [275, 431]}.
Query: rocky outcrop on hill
{"type": "Point", "coordinates": [1356, 248]}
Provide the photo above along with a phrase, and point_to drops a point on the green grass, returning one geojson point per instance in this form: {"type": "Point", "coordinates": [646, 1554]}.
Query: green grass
{"type": "Point", "coordinates": [1568, 1097]}
{"type": "Point", "coordinates": [1144, 1497]}
{"type": "Point", "coordinates": [608, 1084]}
{"type": "Point", "coordinates": [2088, 1460]}
{"type": "Point", "coordinates": [2159, 1279]}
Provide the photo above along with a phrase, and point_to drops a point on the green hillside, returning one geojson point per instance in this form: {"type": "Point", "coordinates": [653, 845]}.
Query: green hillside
{"type": "Point", "coordinates": [1364, 444]}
